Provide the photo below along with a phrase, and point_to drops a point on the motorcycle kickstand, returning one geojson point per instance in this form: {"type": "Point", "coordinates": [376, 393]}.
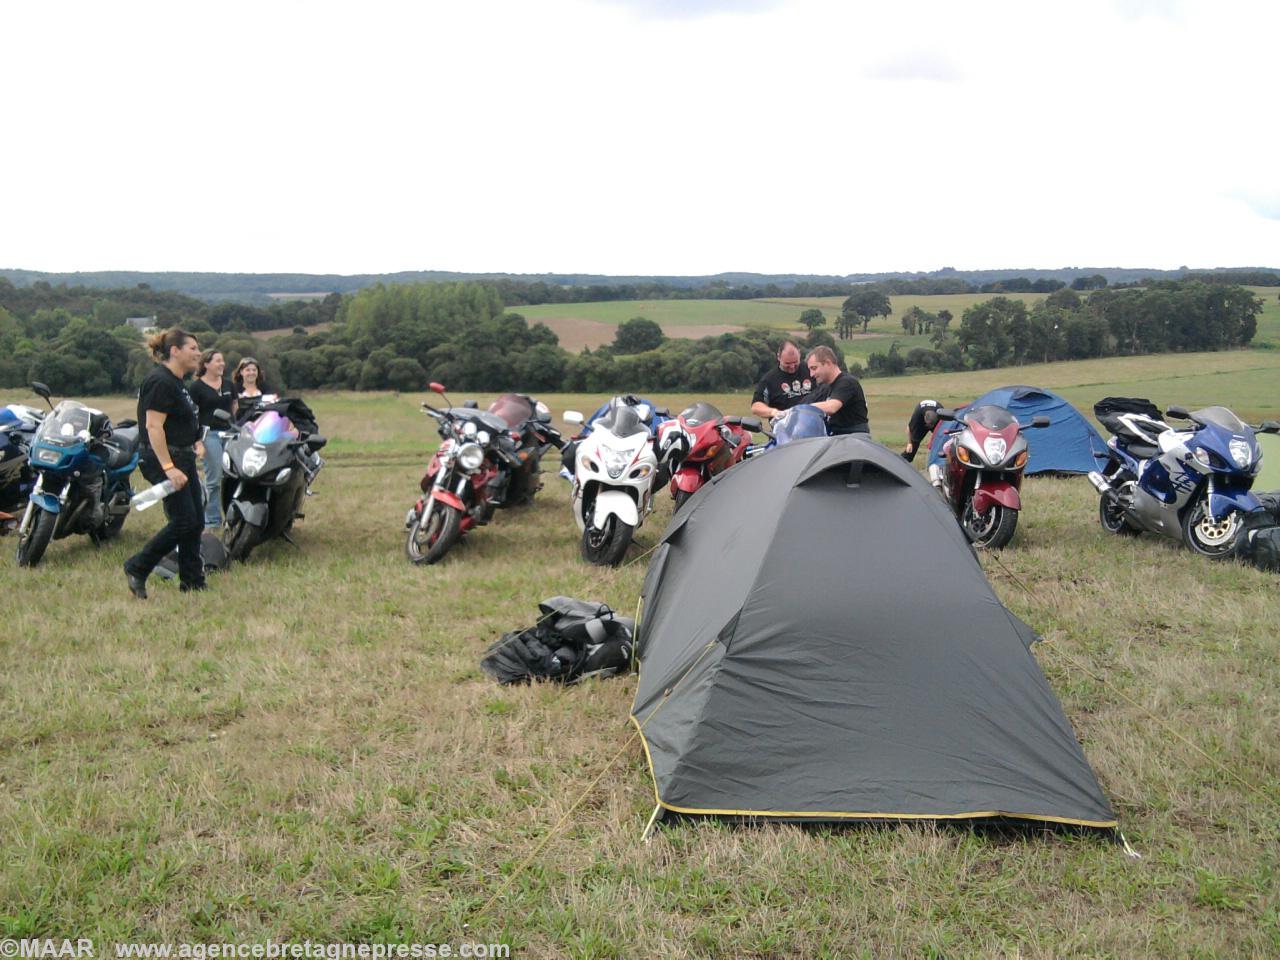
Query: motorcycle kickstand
{"type": "Point", "coordinates": [288, 539]}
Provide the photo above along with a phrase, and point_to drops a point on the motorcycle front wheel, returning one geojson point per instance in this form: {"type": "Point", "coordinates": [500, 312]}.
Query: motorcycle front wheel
{"type": "Point", "coordinates": [682, 497]}
{"type": "Point", "coordinates": [240, 539]}
{"type": "Point", "coordinates": [607, 547]}
{"type": "Point", "coordinates": [32, 546]}
{"type": "Point", "coordinates": [429, 542]}
{"type": "Point", "coordinates": [990, 530]}
{"type": "Point", "coordinates": [1215, 539]}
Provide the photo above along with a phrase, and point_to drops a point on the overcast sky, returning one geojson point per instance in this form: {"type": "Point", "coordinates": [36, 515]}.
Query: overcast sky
{"type": "Point", "coordinates": [639, 136]}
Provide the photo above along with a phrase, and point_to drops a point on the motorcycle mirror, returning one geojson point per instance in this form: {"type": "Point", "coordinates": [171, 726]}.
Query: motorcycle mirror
{"type": "Point", "coordinates": [945, 414]}
{"type": "Point", "coordinates": [753, 424]}
{"type": "Point", "coordinates": [1178, 412]}
{"type": "Point", "coordinates": [42, 391]}
{"type": "Point", "coordinates": [574, 417]}
{"type": "Point", "coordinates": [1039, 421]}
{"type": "Point", "coordinates": [1269, 426]}
{"type": "Point", "coordinates": [436, 387]}
{"type": "Point", "coordinates": [223, 417]}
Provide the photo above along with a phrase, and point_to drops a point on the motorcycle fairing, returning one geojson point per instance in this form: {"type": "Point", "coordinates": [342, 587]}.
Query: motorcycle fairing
{"type": "Point", "coordinates": [1000, 492]}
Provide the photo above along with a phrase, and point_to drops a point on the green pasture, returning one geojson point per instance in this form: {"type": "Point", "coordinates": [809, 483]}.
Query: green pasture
{"type": "Point", "coordinates": [308, 751]}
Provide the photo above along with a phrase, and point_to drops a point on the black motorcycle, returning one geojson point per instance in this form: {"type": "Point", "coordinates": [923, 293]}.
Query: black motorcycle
{"type": "Point", "coordinates": [18, 425]}
{"type": "Point", "coordinates": [269, 464]}
{"type": "Point", "coordinates": [489, 459]}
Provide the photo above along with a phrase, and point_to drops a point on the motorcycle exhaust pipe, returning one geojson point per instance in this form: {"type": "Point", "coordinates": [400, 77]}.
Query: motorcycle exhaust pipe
{"type": "Point", "coordinates": [1100, 483]}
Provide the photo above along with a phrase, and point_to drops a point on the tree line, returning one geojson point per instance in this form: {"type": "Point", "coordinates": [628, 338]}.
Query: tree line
{"type": "Point", "coordinates": [398, 337]}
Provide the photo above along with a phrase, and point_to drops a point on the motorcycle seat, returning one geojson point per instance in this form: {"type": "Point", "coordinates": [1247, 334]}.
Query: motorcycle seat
{"type": "Point", "coordinates": [1142, 451]}
{"type": "Point", "coordinates": [121, 446]}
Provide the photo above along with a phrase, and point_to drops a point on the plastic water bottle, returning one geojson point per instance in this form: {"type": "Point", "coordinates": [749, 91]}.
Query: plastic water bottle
{"type": "Point", "coordinates": [153, 495]}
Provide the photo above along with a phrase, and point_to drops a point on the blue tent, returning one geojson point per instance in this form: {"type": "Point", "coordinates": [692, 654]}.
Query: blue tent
{"type": "Point", "coordinates": [1068, 445]}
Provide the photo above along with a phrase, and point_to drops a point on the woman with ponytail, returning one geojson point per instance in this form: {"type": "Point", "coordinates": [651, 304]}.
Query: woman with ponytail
{"type": "Point", "coordinates": [170, 432]}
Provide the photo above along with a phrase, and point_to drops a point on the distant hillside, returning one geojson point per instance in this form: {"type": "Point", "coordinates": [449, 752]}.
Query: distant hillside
{"type": "Point", "coordinates": [256, 288]}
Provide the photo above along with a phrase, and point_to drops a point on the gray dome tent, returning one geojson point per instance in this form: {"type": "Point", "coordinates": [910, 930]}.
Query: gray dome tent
{"type": "Point", "coordinates": [818, 641]}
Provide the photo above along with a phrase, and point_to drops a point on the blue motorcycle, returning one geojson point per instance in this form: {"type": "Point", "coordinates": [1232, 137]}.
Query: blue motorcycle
{"type": "Point", "coordinates": [82, 467]}
{"type": "Point", "coordinates": [18, 424]}
{"type": "Point", "coordinates": [1190, 484]}
{"type": "Point", "coordinates": [801, 422]}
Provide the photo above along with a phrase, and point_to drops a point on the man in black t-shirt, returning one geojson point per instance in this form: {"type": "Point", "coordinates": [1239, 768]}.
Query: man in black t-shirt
{"type": "Point", "coordinates": [784, 386]}
{"type": "Point", "coordinates": [923, 419]}
{"type": "Point", "coordinates": [844, 402]}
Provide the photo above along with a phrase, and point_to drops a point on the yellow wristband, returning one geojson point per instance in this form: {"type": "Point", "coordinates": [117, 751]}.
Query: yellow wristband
{"type": "Point", "coordinates": [166, 466]}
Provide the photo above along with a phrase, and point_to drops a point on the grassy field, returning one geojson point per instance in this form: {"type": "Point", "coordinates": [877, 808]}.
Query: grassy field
{"type": "Point", "coordinates": [591, 324]}
{"type": "Point", "coordinates": [309, 750]}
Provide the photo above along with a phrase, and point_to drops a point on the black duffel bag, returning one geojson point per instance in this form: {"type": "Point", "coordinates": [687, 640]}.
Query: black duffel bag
{"type": "Point", "coordinates": [572, 640]}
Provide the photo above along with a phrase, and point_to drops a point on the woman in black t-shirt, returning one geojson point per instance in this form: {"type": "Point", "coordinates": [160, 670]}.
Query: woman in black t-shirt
{"type": "Point", "coordinates": [169, 425]}
{"type": "Point", "coordinates": [250, 387]}
{"type": "Point", "coordinates": [212, 392]}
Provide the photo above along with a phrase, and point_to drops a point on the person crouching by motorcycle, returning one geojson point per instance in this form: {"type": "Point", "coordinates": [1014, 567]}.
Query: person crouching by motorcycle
{"type": "Point", "coordinates": [170, 438]}
{"type": "Point", "coordinates": [923, 419]}
{"type": "Point", "coordinates": [842, 401]}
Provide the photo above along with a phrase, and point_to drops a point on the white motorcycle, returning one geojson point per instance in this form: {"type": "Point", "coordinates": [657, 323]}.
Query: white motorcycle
{"type": "Point", "coordinates": [615, 474]}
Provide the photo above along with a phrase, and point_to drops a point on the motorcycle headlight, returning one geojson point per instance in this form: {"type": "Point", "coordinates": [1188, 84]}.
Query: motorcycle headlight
{"type": "Point", "coordinates": [471, 456]}
{"type": "Point", "coordinates": [615, 461]}
{"type": "Point", "coordinates": [255, 458]}
{"type": "Point", "coordinates": [1241, 453]}
{"type": "Point", "coordinates": [994, 449]}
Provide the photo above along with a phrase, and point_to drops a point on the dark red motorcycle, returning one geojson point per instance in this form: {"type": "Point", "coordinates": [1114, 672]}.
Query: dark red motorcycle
{"type": "Point", "coordinates": [700, 443]}
{"type": "Point", "coordinates": [984, 457]}
{"type": "Point", "coordinates": [488, 459]}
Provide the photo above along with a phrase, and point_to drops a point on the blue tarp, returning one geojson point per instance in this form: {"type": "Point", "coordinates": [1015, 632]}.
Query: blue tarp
{"type": "Point", "coordinates": [1068, 445]}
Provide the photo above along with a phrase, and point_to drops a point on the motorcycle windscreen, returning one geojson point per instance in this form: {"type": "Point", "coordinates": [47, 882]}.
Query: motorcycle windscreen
{"type": "Point", "coordinates": [990, 416]}
{"type": "Point", "coordinates": [70, 420]}
{"type": "Point", "coordinates": [800, 423]}
{"type": "Point", "coordinates": [271, 427]}
{"type": "Point", "coordinates": [512, 408]}
{"type": "Point", "coordinates": [622, 421]}
{"type": "Point", "coordinates": [1222, 417]}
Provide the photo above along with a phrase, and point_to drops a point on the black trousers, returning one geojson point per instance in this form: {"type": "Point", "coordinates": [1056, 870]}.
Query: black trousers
{"type": "Point", "coordinates": [185, 513]}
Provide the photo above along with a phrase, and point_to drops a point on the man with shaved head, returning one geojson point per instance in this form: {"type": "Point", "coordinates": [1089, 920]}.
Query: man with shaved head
{"type": "Point", "coordinates": [784, 386]}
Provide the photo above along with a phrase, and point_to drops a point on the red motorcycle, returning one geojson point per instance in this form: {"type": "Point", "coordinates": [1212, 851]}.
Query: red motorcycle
{"type": "Point", "coordinates": [488, 459]}
{"type": "Point", "coordinates": [701, 443]}
{"type": "Point", "coordinates": [984, 458]}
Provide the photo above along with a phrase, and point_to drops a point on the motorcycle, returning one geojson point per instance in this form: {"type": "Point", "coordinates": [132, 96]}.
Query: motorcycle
{"type": "Point", "coordinates": [82, 467]}
{"type": "Point", "coordinates": [18, 425]}
{"type": "Point", "coordinates": [269, 464]}
{"type": "Point", "coordinates": [704, 442]}
{"type": "Point", "coordinates": [488, 459]}
{"type": "Point", "coordinates": [982, 477]}
{"type": "Point", "coordinates": [615, 474]}
{"type": "Point", "coordinates": [1190, 484]}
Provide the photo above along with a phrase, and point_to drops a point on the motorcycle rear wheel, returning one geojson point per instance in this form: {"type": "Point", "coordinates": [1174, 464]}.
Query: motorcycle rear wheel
{"type": "Point", "coordinates": [1216, 540]}
{"type": "Point", "coordinates": [31, 547]}
{"type": "Point", "coordinates": [1111, 517]}
{"type": "Point", "coordinates": [991, 530]}
{"type": "Point", "coordinates": [607, 547]}
{"type": "Point", "coordinates": [429, 545]}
